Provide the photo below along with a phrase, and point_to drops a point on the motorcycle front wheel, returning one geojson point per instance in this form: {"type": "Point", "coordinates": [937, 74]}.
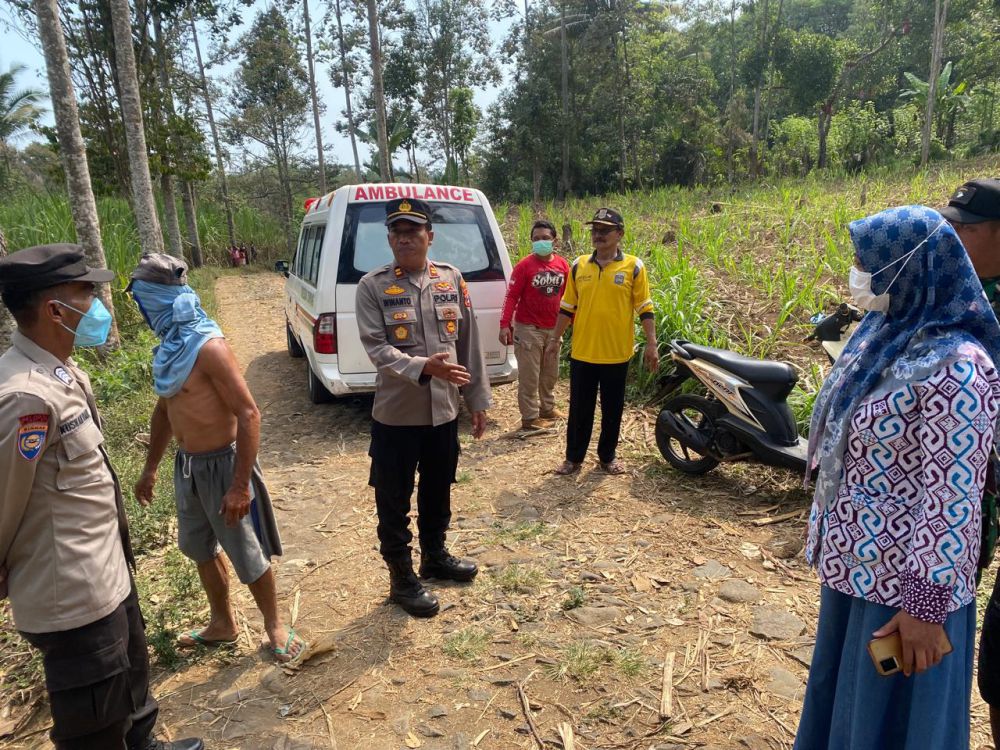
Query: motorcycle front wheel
{"type": "Point", "coordinates": [697, 412]}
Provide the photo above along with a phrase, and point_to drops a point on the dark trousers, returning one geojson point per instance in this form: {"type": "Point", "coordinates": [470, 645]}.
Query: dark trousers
{"type": "Point", "coordinates": [585, 380]}
{"type": "Point", "coordinates": [397, 453]}
{"type": "Point", "coordinates": [97, 677]}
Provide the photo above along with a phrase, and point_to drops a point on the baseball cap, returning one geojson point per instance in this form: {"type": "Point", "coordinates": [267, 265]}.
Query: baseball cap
{"type": "Point", "coordinates": [607, 217]}
{"type": "Point", "coordinates": [976, 201]}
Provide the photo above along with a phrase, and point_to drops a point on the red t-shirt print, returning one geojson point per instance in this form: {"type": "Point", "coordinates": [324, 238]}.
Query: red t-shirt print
{"type": "Point", "coordinates": [535, 291]}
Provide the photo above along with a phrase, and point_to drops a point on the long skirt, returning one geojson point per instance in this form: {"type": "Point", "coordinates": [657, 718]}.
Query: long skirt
{"type": "Point", "coordinates": [850, 706]}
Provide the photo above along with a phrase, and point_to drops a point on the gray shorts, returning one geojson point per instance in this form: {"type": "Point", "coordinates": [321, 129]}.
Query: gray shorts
{"type": "Point", "coordinates": [201, 480]}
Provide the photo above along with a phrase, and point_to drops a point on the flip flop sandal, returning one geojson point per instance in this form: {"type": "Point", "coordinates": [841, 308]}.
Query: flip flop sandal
{"type": "Point", "coordinates": [278, 651]}
{"type": "Point", "coordinates": [199, 640]}
{"type": "Point", "coordinates": [567, 468]}
{"type": "Point", "coordinates": [614, 467]}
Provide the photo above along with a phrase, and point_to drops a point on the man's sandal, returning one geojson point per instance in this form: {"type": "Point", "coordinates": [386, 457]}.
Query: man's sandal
{"type": "Point", "coordinates": [567, 467]}
{"type": "Point", "coordinates": [282, 654]}
{"type": "Point", "coordinates": [614, 466]}
{"type": "Point", "coordinates": [195, 638]}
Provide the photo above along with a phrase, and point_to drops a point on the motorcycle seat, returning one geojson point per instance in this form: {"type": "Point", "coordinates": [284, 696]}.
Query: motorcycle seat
{"type": "Point", "coordinates": [755, 371]}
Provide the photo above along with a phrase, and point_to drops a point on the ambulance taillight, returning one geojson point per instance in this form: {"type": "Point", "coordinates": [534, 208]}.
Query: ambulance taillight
{"type": "Point", "coordinates": [325, 334]}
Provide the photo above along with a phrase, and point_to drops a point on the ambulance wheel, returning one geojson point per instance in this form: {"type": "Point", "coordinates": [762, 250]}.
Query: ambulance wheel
{"type": "Point", "coordinates": [295, 350]}
{"type": "Point", "coordinates": [318, 393]}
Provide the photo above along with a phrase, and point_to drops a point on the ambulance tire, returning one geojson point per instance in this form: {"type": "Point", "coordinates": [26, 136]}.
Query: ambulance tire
{"type": "Point", "coordinates": [295, 350]}
{"type": "Point", "coordinates": [318, 394]}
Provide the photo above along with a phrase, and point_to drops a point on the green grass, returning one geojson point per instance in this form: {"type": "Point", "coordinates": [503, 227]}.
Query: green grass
{"type": "Point", "coordinates": [521, 532]}
{"type": "Point", "coordinates": [518, 579]}
{"type": "Point", "coordinates": [749, 273]}
{"type": "Point", "coordinates": [38, 218]}
{"type": "Point", "coordinates": [467, 644]}
{"type": "Point", "coordinates": [575, 597]}
{"type": "Point", "coordinates": [582, 660]}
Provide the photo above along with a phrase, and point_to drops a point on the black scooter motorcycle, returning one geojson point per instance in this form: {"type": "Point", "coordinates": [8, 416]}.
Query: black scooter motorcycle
{"type": "Point", "coordinates": [745, 414]}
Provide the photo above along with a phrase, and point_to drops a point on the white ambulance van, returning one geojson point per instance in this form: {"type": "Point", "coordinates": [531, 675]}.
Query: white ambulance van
{"type": "Point", "coordinates": [344, 236]}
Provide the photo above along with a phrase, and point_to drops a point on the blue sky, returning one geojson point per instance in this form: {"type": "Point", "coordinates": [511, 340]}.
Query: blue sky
{"type": "Point", "coordinates": [21, 47]}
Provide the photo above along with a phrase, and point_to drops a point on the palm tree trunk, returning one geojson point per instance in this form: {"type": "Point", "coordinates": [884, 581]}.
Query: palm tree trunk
{"type": "Point", "coordinates": [219, 164]}
{"type": "Point", "coordinates": [345, 75]}
{"type": "Point", "coordinates": [376, 55]}
{"type": "Point", "coordinates": [315, 99]}
{"type": "Point", "coordinates": [143, 204]}
{"type": "Point", "coordinates": [937, 49]}
{"type": "Point", "coordinates": [71, 148]}
{"type": "Point", "coordinates": [167, 178]}
{"type": "Point", "coordinates": [6, 321]}
{"type": "Point", "coordinates": [191, 218]}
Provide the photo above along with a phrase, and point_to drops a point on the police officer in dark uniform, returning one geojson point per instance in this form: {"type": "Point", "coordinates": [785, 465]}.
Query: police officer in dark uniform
{"type": "Point", "coordinates": [974, 211]}
{"type": "Point", "coordinates": [416, 323]}
{"type": "Point", "coordinates": [65, 556]}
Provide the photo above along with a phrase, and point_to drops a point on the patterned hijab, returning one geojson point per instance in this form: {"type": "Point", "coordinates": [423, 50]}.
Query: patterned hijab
{"type": "Point", "coordinates": [938, 314]}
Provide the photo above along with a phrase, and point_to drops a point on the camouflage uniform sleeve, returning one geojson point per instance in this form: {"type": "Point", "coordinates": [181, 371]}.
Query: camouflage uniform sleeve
{"type": "Point", "coordinates": [371, 326]}
{"type": "Point", "coordinates": [477, 393]}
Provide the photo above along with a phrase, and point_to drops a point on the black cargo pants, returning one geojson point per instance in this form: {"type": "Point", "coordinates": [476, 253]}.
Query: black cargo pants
{"type": "Point", "coordinates": [97, 677]}
{"type": "Point", "coordinates": [397, 454]}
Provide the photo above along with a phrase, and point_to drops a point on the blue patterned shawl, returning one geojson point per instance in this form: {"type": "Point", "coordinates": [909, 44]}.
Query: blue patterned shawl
{"type": "Point", "coordinates": [938, 314]}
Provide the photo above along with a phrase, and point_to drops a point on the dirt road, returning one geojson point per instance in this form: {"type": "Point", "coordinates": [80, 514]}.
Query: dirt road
{"type": "Point", "coordinates": [589, 585]}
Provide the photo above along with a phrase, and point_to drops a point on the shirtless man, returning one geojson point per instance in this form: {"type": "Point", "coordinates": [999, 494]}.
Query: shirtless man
{"type": "Point", "coordinates": [222, 503]}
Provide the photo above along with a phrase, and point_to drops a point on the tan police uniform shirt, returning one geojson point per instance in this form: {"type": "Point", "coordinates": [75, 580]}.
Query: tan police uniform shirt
{"type": "Point", "coordinates": [59, 532]}
{"type": "Point", "coordinates": [403, 319]}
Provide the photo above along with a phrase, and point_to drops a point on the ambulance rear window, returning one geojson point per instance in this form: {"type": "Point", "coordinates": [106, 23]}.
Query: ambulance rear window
{"type": "Point", "coordinates": [462, 237]}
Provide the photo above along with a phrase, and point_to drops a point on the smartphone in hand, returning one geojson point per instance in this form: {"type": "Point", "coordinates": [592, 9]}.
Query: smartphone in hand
{"type": "Point", "coordinates": [887, 652]}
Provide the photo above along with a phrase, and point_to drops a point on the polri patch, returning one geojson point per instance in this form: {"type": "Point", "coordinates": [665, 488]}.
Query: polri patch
{"type": "Point", "coordinates": [62, 375]}
{"type": "Point", "coordinates": [31, 433]}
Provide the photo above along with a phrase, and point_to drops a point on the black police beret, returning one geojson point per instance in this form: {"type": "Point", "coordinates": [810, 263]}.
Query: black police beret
{"type": "Point", "coordinates": [43, 266]}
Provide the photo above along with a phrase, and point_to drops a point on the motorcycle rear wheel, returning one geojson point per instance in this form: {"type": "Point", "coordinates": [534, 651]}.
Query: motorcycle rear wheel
{"type": "Point", "coordinates": [699, 412]}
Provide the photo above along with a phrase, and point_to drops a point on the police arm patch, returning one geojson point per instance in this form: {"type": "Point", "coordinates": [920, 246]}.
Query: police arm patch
{"type": "Point", "coordinates": [31, 433]}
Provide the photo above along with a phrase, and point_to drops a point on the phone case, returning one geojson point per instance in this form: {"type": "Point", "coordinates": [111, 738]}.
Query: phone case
{"type": "Point", "coordinates": [887, 653]}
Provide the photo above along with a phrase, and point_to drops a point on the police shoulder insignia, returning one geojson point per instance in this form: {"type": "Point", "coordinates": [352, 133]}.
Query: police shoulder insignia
{"type": "Point", "coordinates": [402, 333]}
{"type": "Point", "coordinates": [63, 376]}
{"type": "Point", "coordinates": [465, 294]}
{"type": "Point", "coordinates": [31, 434]}
{"type": "Point", "coordinates": [394, 290]}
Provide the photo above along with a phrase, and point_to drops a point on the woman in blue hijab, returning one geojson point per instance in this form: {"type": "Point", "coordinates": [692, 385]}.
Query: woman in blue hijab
{"type": "Point", "coordinates": [900, 437]}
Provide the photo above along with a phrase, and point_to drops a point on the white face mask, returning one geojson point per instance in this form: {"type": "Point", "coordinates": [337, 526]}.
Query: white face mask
{"type": "Point", "coordinates": [860, 282]}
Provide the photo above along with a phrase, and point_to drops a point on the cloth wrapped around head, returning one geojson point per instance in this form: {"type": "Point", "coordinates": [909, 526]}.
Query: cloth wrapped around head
{"type": "Point", "coordinates": [174, 312]}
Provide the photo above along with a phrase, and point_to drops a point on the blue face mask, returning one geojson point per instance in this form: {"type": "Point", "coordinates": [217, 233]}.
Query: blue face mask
{"type": "Point", "coordinates": [94, 326]}
{"type": "Point", "coordinates": [542, 247]}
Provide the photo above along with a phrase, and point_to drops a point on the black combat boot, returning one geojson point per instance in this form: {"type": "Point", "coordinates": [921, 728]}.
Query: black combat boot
{"type": "Point", "coordinates": [190, 744]}
{"type": "Point", "coordinates": [407, 591]}
{"type": "Point", "coordinates": [439, 563]}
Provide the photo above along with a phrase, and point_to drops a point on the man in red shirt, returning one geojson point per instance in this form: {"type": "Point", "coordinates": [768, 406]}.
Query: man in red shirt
{"type": "Point", "coordinates": [536, 289]}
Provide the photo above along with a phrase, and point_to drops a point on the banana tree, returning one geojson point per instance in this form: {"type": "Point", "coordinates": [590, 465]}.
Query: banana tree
{"type": "Point", "coordinates": [950, 100]}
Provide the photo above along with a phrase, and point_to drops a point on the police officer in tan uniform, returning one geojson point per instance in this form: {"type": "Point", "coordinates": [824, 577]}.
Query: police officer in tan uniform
{"type": "Point", "coordinates": [417, 325]}
{"type": "Point", "coordinates": [65, 555]}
